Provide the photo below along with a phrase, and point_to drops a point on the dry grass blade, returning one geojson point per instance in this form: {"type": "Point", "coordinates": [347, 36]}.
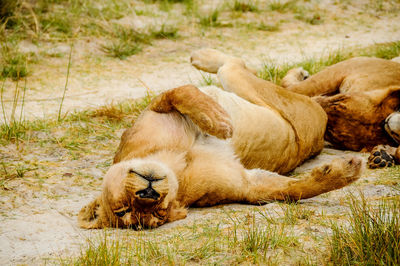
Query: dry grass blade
{"type": "Point", "coordinates": [66, 83]}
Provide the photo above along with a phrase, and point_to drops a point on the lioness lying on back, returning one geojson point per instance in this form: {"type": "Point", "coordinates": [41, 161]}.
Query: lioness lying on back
{"type": "Point", "coordinates": [194, 147]}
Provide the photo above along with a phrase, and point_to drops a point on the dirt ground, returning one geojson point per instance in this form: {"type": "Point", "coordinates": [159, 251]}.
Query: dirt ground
{"type": "Point", "coordinates": [38, 216]}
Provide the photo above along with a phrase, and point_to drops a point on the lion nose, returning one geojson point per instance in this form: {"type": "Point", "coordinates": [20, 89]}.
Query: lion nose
{"type": "Point", "coordinates": [148, 193]}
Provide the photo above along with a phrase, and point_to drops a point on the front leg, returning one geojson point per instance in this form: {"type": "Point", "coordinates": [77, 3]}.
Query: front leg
{"type": "Point", "coordinates": [199, 107]}
{"type": "Point", "coordinates": [266, 186]}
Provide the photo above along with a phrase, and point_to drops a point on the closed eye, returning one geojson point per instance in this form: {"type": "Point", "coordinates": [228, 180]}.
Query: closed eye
{"type": "Point", "coordinates": [147, 177]}
{"type": "Point", "coordinates": [121, 213]}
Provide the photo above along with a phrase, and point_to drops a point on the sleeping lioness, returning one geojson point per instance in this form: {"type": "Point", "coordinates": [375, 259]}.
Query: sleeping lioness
{"type": "Point", "coordinates": [361, 97]}
{"type": "Point", "coordinates": [195, 147]}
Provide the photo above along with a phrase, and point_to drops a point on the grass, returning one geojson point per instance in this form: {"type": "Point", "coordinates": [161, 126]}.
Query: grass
{"type": "Point", "coordinates": [210, 20]}
{"type": "Point", "coordinates": [14, 63]}
{"type": "Point", "coordinates": [105, 119]}
{"type": "Point", "coordinates": [372, 237]}
{"type": "Point", "coordinates": [10, 172]}
{"type": "Point", "coordinates": [239, 240]}
{"type": "Point", "coordinates": [389, 177]}
{"type": "Point", "coordinates": [207, 79]}
{"type": "Point", "coordinates": [313, 19]}
{"type": "Point", "coordinates": [272, 72]}
{"type": "Point", "coordinates": [165, 32]}
{"type": "Point", "coordinates": [66, 84]}
{"type": "Point", "coordinates": [245, 6]}
{"type": "Point", "coordinates": [386, 51]}
{"type": "Point", "coordinates": [268, 27]}
{"type": "Point", "coordinates": [282, 6]}
{"type": "Point", "coordinates": [13, 128]}
{"type": "Point", "coordinates": [126, 42]}
{"type": "Point", "coordinates": [57, 25]}
{"type": "Point", "coordinates": [121, 49]}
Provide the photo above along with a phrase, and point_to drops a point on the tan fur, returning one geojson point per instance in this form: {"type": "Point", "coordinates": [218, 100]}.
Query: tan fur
{"type": "Point", "coordinates": [194, 147]}
{"type": "Point", "coordinates": [294, 76]}
{"type": "Point", "coordinates": [358, 95]}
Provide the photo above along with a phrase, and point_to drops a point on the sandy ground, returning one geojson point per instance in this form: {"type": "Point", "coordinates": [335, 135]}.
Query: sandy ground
{"type": "Point", "coordinates": [36, 224]}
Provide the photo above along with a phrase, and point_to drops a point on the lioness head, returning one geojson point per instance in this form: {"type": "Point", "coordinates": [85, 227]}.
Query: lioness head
{"type": "Point", "coordinates": [137, 193]}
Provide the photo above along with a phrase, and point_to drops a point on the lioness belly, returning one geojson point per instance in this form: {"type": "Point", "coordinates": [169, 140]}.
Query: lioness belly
{"type": "Point", "coordinates": [261, 137]}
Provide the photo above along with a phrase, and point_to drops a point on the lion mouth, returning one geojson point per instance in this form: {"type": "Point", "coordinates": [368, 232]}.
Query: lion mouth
{"type": "Point", "coordinates": [148, 193]}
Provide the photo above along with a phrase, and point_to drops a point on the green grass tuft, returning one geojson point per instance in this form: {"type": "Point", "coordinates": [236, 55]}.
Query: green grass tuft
{"type": "Point", "coordinates": [373, 237]}
{"type": "Point", "coordinates": [275, 73]}
{"type": "Point", "coordinates": [386, 51]}
{"type": "Point", "coordinates": [268, 27]}
{"type": "Point", "coordinates": [121, 49]}
{"type": "Point", "coordinates": [210, 20]}
{"type": "Point", "coordinates": [313, 19]}
{"type": "Point", "coordinates": [282, 6]}
{"type": "Point", "coordinates": [107, 252]}
{"type": "Point", "coordinates": [165, 32]}
{"type": "Point", "coordinates": [57, 23]}
{"type": "Point", "coordinates": [125, 42]}
{"type": "Point", "coordinates": [14, 63]}
{"type": "Point", "coordinates": [242, 6]}
{"type": "Point", "coordinates": [240, 240]}
{"type": "Point", "coordinates": [207, 79]}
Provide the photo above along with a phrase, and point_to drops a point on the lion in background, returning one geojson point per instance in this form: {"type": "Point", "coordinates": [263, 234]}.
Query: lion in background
{"type": "Point", "coordinates": [194, 147]}
{"type": "Point", "coordinates": [361, 97]}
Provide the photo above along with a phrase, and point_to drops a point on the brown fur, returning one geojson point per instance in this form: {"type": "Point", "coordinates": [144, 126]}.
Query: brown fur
{"type": "Point", "coordinates": [194, 147]}
{"type": "Point", "coordinates": [357, 94]}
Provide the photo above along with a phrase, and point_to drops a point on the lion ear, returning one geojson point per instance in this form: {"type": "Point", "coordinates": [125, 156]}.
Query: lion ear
{"type": "Point", "coordinates": [89, 216]}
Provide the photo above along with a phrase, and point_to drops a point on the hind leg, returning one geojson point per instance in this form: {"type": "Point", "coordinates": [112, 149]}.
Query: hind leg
{"type": "Point", "coordinates": [233, 74]}
{"type": "Point", "coordinates": [210, 60]}
{"type": "Point", "coordinates": [201, 108]}
{"type": "Point", "coordinates": [265, 186]}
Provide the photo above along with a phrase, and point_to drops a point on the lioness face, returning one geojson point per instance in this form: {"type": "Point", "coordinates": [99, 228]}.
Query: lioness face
{"type": "Point", "coordinates": [137, 193]}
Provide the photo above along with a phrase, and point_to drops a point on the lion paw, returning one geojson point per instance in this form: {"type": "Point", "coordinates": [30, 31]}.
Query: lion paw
{"type": "Point", "coordinates": [339, 173]}
{"type": "Point", "coordinates": [294, 76]}
{"type": "Point", "coordinates": [381, 156]}
{"type": "Point", "coordinates": [217, 124]}
{"type": "Point", "coordinates": [334, 175]}
{"type": "Point", "coordinates": [209, 60]}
